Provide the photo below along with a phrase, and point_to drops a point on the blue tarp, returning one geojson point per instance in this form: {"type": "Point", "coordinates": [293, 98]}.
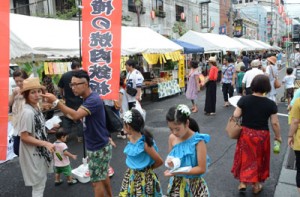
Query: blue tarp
{"type": "Point", "coordinates": [188, 47]}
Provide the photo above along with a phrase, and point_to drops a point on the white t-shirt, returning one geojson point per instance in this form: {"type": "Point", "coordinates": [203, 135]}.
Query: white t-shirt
{"type": "Point", "coordinates": [289, 81]}
{"type": "Point", "coordinates": [134, 79]}
{"type": "Point", "coordinates": [124, 106]}
{"type": "Point", "coordinates": [60, 148]}
{"type": "Point", "coordinates": [249, 76]}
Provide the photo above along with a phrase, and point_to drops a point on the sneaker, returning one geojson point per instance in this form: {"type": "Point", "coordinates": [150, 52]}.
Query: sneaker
{"type": "Point", "coordinates": [121, 135]}
{"type": "Point", "coordinates": [111, 171]}
{"type": "Point", "coordinates": [73, 182]}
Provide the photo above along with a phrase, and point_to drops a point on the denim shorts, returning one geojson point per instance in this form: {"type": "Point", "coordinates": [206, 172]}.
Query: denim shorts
{"type": "Point", "coordinates": [98, 163]}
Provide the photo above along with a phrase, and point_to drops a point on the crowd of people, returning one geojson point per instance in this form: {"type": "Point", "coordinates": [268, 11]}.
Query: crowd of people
{"type": "Point", "coordinates": [85, 111]}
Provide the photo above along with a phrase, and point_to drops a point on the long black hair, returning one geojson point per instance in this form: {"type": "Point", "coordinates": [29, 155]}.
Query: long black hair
{"type": "Point", "coordinates": [138, 125]}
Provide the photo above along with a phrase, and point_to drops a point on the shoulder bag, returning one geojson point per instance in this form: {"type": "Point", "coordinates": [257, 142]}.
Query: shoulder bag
{"type": "Point", "coordinates": [277, 83]}
{"type": "Point", "coordinates": [233, 127]}
{"type": "Point", "coordinates": [113, 121]}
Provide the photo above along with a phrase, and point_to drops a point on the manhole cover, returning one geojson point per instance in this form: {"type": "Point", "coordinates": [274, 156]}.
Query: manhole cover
{"type": "Point", "coordinates": [291, 160]}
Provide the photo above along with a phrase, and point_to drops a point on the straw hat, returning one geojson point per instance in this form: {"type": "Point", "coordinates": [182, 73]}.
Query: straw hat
{"type": "Point", "coordinates": [255, 63]}
{"type": "Point", "coordinates": [272, 59]}
{"type": "Point", "coordinates": [212, 59]}
{"type": "Point", "coordinates": [32, 83]}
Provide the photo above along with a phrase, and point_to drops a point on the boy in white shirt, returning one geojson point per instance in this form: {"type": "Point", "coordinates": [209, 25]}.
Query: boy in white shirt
{"type": "Point", "coordinates": [61, 159]}
{"type": "Point", "coordinates": [288, 82]}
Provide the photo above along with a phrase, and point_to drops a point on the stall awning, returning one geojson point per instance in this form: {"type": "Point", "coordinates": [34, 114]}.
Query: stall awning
{"type": "Point", "coordinates": [212, 42]}
{"type": "Point", "coordinates": [144, 40]}
{"type": "Point", "coordinates": [188, 47]}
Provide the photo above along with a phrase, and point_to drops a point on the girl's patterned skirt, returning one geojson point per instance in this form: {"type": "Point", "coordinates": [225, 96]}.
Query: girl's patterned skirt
{"type": "Point", "coordinates": [140, 183]}
{"type": "Point", "coordinates": [192, 187]}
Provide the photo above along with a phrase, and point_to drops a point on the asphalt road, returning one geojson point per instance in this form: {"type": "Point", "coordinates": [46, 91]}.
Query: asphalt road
{"type": "Point", "coordinates": [221, 150]}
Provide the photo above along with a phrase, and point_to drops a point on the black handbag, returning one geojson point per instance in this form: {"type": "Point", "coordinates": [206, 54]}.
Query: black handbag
{"type": "Point", "coordinates": [131, 91]}
{"type": "Point", "coordinates": [113, 121]}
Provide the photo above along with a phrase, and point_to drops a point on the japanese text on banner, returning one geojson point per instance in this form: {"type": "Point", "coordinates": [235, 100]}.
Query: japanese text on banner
{"type": "Point", "coordinates": [101, 45]}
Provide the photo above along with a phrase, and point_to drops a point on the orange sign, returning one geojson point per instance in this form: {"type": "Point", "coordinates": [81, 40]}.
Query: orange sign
{"type": "Point", "coordinates": [4, 66]}
{"type": "Point", "coordinates": [101, 45]}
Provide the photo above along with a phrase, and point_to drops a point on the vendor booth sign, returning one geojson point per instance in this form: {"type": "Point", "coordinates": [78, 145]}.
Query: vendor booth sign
{"type": "Point", "coordinates": [101, 45]}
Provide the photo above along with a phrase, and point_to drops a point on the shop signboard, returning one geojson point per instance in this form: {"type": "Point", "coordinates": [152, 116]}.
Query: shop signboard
{"type": "Point", "coordinates": [101, 45]}
{"type": "Point", "coordinates": [181, 72]}
{"type": "Point", "coordinates": [296, 33]}
{"type": "Point", "coordinates": [4, 76]}
{"type": "Point", "coordinates": [238, 28]}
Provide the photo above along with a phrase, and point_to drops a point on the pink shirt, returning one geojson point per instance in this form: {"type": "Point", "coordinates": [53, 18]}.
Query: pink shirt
{"type": "Point", "coordinates": [60, 160]}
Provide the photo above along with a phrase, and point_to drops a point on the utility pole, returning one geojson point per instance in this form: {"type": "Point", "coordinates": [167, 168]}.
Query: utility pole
{"type": "Point", "coordinates": [271, 19]}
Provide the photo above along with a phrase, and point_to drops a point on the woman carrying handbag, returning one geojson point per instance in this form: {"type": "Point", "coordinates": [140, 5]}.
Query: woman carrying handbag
{"type": "Point", "coordinates": [251, 164]}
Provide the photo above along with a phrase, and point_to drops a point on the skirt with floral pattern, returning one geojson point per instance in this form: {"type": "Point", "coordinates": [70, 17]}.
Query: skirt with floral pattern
{"type": "Point", "coordinates": [140, 184]}
{"type": "Point", "coordinates": [192, 187]}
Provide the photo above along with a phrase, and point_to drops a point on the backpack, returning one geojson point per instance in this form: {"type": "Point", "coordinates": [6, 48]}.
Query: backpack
{"type": "Point", "coordinates": [113, 121]}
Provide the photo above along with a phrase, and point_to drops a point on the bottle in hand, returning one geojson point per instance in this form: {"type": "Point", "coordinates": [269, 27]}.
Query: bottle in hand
{"type": "Point", "coordinates": [276, 147]}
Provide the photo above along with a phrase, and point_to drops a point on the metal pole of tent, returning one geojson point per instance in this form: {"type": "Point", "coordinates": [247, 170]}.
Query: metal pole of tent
{"type": "Point", "coordinates": [80, 59]}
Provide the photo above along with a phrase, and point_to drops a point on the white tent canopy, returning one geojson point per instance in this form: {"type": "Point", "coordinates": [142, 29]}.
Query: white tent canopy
{"type": "Point", "coordinates": [267, 46]}
{"type": "Point", "coordinates": [60, 38]}
{"type": "Point", "coordinates": [144, 40]}
{"type": "Point", "coordinates": [251, 43]}
{"type": "Point", "coordinates": [213, 42]}
{"type": "Point", "coordinates": [52, 37]}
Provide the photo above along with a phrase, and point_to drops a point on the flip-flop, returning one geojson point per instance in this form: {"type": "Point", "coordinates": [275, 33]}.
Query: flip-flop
{"type": "Point", "coordinates": [242, 187]}
{"type": "Point", "coordinates": [257, 189]}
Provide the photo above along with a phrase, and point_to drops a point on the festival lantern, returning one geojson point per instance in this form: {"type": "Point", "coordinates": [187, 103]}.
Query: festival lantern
{"type": "Point", "coordinates": [152, 14]}
{"type": "Point", "coordinates": [182, 16]}
{"type": "Point", "coordinates": [197, 18]}
{"type": "Point", "coordinates": [280, 9]}
{"type": "Point", "coordinates": [283, 15]}
{"type": "Point", "coordinates": [213, 24]}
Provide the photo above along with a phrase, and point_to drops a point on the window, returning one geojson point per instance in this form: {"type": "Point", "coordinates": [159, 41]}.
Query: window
{"type": "Point", "coordinates": [21, 7]}
{"type": "Point", "coordinates": [246, 1]}
{"type": "Point", "coordinates": [131, 7]}
{"type": "Point", "coordinates": [179, 10]}
{"type": "Point", "coordinates": [240, 1]}
{"type": "Point", "coordinates": [159, 5]}
{"type": "Point", "coordinates": [64, 6]}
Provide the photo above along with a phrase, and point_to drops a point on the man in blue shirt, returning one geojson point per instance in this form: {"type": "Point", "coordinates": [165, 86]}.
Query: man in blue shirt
{"type": "Point", "coordinates": [96, 135]}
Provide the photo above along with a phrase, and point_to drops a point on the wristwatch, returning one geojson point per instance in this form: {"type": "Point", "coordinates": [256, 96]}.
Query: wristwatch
{"type": "Point", "coordinates": [55, 103]}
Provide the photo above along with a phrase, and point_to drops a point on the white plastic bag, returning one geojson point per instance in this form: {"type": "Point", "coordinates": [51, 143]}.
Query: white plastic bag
{"type": "Point", "coordinates": [140, 109]}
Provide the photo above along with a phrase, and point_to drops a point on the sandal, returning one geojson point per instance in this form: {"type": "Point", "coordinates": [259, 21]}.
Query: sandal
{"type": "Point", "coordinates": [257, 188]}
{"type": "Point", "coordinates": [72, 182]}
{"type": "Point", "coordinates": [242, 187]}
{"type": "Point", "coordinates": [57, 183]}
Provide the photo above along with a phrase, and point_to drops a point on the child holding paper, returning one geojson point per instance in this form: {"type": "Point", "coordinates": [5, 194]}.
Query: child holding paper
{"type": "Point", "coordinates": [187, 167]}
{"type": "Point", "coordinates": [142, 158]}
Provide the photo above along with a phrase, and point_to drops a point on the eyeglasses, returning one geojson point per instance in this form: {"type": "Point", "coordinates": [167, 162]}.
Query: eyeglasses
{"type": "Point", "coordinates": [75, 84]}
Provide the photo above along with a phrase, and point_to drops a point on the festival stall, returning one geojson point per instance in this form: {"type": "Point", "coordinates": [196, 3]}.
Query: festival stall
{"type": "Point", "coordinates": [157, 51]}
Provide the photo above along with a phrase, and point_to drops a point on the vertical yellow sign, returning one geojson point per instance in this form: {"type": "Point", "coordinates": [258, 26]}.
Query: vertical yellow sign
{"type": "Point", "coordinates": [181, 72]}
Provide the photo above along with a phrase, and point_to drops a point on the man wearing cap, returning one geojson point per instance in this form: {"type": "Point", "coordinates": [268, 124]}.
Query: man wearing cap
{"type": "Point", "coordinates": [249, 76]}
